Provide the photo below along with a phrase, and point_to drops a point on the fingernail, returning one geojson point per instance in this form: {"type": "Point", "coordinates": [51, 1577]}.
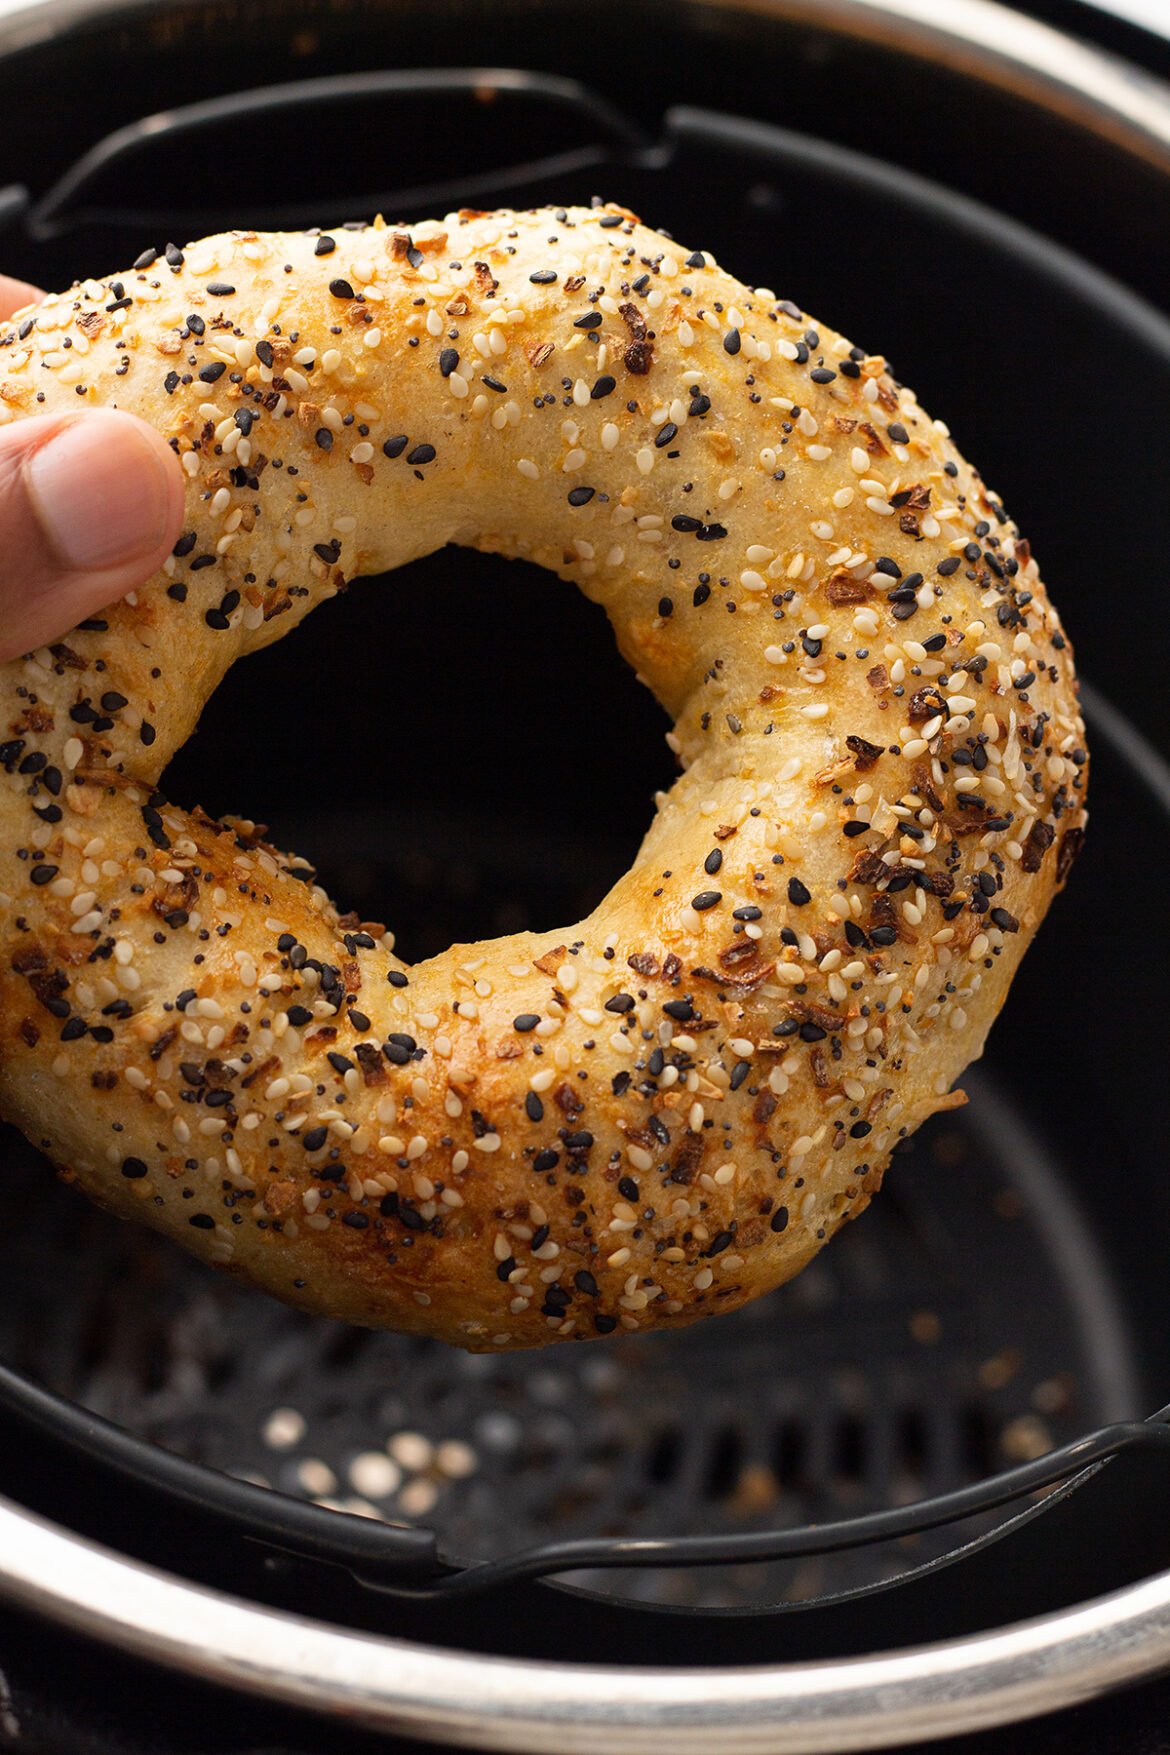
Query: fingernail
{"type": "Point", "coordinates": [99, 491]}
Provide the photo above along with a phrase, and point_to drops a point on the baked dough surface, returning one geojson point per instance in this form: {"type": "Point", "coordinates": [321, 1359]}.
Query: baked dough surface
{"type": "Point", "coordinates": [665, 1109]}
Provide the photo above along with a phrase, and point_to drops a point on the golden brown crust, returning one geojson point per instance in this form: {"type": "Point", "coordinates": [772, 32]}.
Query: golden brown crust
{"type": "Point", "coordinates": [659, 1112]}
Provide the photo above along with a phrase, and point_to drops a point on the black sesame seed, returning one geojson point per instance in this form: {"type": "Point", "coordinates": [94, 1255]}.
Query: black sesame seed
{"type": "Point", "coordinates": [324, 438]}
{"type": "Point", "coordinates": [202, 1221]}
{"type": "Point", "coordinates": [448, 360]}
{"type": "Point", "coordinates": [620, 1003]}
{"type": "Point", "coordinates": [133, 1168]}
{"type": "Point", "coordinates": [798, 895]}
{"type": "Point", "coordinates": [341, 289]}
{"type": "Point", "coordinates": [543, 277]}
{"type": "Point", "coordinates": [732, 341]}
{"type": "Point", "coordinates": [666, 433]}
{"type": "Point", "coordinates": [679, 1009]}
{"type": "Point", "coordinates": [43, 874]}
{"type": "Point", "coordinates": [315, 1138]}
{"type": "Point", "coordinates": [780, 1219]}
{"type": "Point", "coordinates": [421, 454]}
{"type": "Point", "coordinates": [299, 1015]}
{"type": "Point", "coordinates": [396, 446]}
{"type": "Point", "coordinates": [949, 566]}
{"type": "Point", "coordinates": [220, 289]}
{"type": "Point", "coordinates": [526, 1021]}
{"type": "Point", "coordinates": [533, 1107]}
{"type": "Point", "coordinates": [603, 386]}
{"type": "Point", "coordinates": [706, 899]}
{"type": "Point", "coordinates": [822, 375]}
{"type": "Point", "coordinates": [713, 862]}
{"type": "Point", "coordinates": [581, 496]}
{"type": "Point", "coordinates": [324, 246]}
{"type": "Point", "coordinates": [146, 258]}
{"type": "Point", "coordinates": [591, 320]}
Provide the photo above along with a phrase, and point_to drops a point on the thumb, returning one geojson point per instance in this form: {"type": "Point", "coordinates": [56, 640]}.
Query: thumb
{"type": "Point", "coordinates": [90, 506]}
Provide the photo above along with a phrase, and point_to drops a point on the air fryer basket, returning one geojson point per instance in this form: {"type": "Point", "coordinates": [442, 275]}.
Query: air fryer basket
{"type": "Point", "coordinates": [1003, 1297]}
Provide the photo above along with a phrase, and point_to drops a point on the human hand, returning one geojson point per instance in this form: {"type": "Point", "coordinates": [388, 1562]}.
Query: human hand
{"type": "Point", "coordinates": [90, 506]}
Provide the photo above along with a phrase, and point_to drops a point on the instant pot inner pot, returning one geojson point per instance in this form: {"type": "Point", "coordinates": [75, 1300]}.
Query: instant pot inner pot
{"type": "Point", "coordinates": [460, 750]}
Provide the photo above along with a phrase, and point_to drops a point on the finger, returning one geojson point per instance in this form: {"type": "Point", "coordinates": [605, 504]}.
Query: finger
{"type": "Point", "coordinates": [15, 294]}
{"type": "Point", "coordinates": [90, 506]}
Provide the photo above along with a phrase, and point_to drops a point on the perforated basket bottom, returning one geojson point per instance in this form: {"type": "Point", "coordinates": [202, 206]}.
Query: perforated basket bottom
{"type": "Point", "coordinates": [906, 1360]}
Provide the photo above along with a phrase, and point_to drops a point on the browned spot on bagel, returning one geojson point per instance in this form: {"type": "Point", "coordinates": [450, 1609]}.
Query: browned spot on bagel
{"type": "Point", "coordinates": [550, 962]}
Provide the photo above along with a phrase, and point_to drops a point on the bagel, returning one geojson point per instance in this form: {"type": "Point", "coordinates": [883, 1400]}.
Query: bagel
{"type": "Point", "coordinates": [665, 1109]}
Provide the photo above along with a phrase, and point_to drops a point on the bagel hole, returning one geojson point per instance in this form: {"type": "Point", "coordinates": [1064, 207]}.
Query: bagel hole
{"type": "Point", "coordinates": [458, 747]}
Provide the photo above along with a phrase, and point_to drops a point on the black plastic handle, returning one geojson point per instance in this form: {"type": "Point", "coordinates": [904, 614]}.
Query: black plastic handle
{"type": "Point", "coordinates": [378, 1551]}
{"type": "Point", "coordinates": [14, 201]}
{"type": "Point", "coordinates": [1079, 1459]}
{"type": "Point", "coordinates": [57, 209]}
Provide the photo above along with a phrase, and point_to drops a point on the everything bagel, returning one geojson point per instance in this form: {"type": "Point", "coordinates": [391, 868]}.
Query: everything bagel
{"type": "Point", "coordinates": [664, 1110]}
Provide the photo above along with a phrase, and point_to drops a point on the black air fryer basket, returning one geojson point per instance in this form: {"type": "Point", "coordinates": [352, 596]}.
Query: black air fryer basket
{"type": "Point", "coordinates": [880, 1443]}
